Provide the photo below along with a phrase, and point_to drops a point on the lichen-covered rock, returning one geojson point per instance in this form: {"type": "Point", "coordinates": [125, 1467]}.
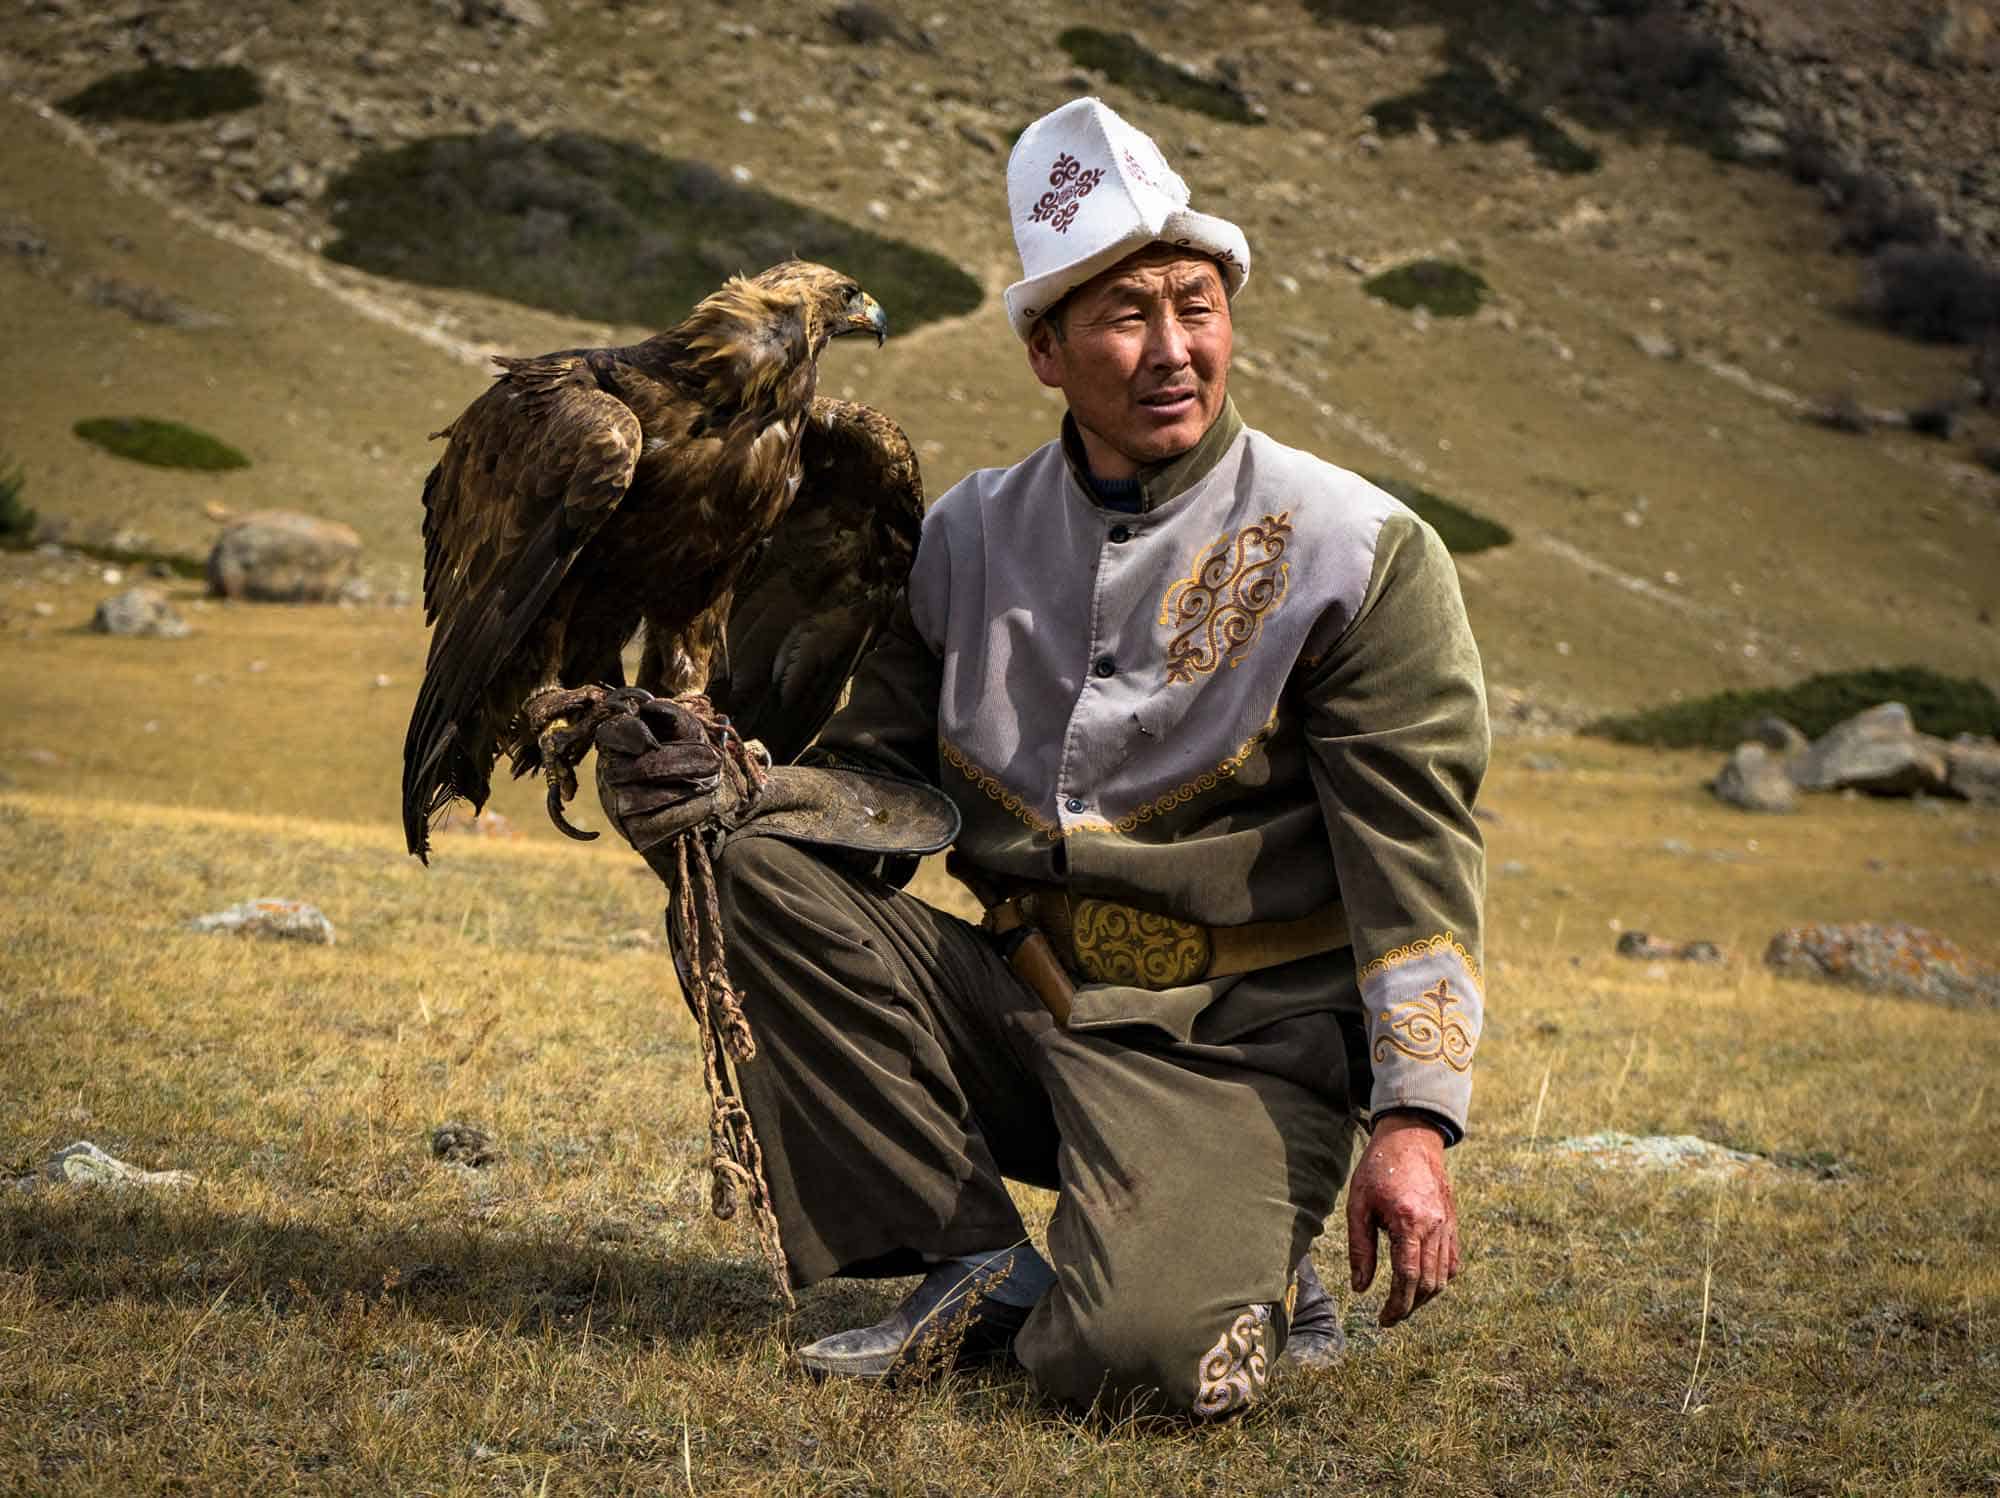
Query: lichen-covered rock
{"type": "Point", "coordinates": [283, 920]}
{"type": "Point", "coordinates": [143, 612]}
{"type": "Point", "coordinates": [1754, 778]}
{"type": "Point", "coordinates": [84, 1164]}
{"type": "Point", "coordinates": [1879, 751]}
{"type": "Point", "coordinates": [1887, 958]}
{"type": "Point", "coordinates": [1659, 1151]}
{"type": "Point", "coordinates": [1972, 770]}
{"type": "Point", "coordinates": [277, 556]}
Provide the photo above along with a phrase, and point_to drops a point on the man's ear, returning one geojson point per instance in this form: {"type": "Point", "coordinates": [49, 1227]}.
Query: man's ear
{"type": "Point", "coordinates": [1045, 354]}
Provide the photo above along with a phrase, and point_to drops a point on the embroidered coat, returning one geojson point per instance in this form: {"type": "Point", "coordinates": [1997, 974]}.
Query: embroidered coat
{"type": "Point", "coordinates": [1255, 696]}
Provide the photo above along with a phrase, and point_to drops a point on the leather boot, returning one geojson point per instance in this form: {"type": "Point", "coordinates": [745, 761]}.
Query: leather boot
{"type": "Point", "coordinates": [1315, 1339]}
{"type": "Point", "coordinates": [953, 1316]}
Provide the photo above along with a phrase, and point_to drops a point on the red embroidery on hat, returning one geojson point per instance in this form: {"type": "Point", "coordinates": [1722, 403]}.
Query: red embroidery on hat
{"type": "Point", "coordinates": [1139, 173]}
{"type": "Point", "coordinates": [1225, 255]}
{"type": "Point", "coordinates": [1071, 184]}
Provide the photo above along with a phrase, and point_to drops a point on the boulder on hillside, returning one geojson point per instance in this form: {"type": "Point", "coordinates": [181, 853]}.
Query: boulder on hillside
{"type": "Point", "coordinates": [1879, 751]}
{"type": "Point", "coordinates": [1754, 778]}
{"type": "Point", "coordinates": [1972, 769]}
{"type": "Point", "coordinates": [281, 920]}
{"type": "Point", "coordinates": [84, 1164]}
{"type": "Point", "coordinates": [1888, 958]}
{"type": "Point", "coordinates": [276, 556]}
{"type": "Point", "coordinates": [1774, 732]}
{"type": "Point", "coordinates": [140, 611]}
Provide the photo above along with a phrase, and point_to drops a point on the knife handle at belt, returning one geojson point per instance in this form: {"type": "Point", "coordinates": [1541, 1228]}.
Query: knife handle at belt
{"type": "Point", "coordinates": [1033, 960]}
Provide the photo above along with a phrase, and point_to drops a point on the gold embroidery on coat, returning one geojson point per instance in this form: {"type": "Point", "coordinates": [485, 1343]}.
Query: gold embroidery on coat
{"type": "Point", "coordinates": [1117, 944]}
{"type": "Point", "coordinates": [1440, 945]}
{"type": "Point", "coordinates": [1424, 1029]}
{"type": "Point", "coordinates": [1233, 1372]}
{"type": "Point", "coordinates": [1219, 607]}
{"type": "Point", "coordinates": [1159, 806]}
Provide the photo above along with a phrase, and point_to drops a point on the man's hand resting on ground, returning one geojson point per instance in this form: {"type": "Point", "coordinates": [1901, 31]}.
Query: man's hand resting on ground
{"type": "Point", "coordinates": [1401, 1188]}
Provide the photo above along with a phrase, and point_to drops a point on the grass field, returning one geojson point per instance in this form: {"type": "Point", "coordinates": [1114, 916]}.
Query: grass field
{"type": "Point", "coordinates": [330, 1309]}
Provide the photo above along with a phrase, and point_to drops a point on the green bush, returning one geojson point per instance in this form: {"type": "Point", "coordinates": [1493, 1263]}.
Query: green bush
{"type": "Point", "coordinates": [1462, 531]}
{"type": "Point", "coordinates": [1125, 60]}
{"type": "Point", "coordinates": [1467, 97]}
{"type": "Point", "coordinates": [165, 444]}
{"type": "Point", "coordinates": [1440, 287]}
{"type": "Point", "coordinates": [17, 521]}
{"type": "Point", "coordinates": [1941, 705]}
{"type": "Point", "coordinates": [162, 95]}
{"type": "Point", "coordinates": [604, 229]}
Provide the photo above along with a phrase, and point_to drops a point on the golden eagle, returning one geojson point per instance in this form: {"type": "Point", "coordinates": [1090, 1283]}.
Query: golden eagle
{"type": "Point", "coordinates": [593, 490]}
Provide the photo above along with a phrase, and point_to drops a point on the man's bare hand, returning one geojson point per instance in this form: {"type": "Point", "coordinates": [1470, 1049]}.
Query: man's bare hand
{"type": "Point", "coordinates": [1401, 1188]}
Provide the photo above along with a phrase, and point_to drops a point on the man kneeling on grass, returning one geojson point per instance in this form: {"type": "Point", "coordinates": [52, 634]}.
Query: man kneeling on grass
{"type": "Point", "coordinates": [1211, 715]}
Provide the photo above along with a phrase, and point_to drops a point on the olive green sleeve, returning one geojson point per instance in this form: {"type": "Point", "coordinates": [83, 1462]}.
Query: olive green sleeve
{"type": "Point", "coordinates": [889, 721]}
{"type": "Point", "coordinates": [1394, 707]}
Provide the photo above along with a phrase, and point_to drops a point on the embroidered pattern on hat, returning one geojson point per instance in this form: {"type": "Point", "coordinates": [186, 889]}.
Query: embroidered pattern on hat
{"type": "Point", "coordinates": [1071, 184]}
{"type": "Point", "coordinates": [1139, 174]}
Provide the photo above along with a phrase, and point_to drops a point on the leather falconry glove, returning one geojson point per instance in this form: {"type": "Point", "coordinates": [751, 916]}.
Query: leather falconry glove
{"type": "Point", "coordinates": [664, 765]}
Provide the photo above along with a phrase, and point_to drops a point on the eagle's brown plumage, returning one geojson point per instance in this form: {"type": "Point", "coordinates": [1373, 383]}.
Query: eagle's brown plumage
{"type": "Point", "coordinates": [592, 490]}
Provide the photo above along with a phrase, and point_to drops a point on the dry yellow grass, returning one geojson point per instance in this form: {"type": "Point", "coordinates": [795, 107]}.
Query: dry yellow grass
{"type": "Point", "coordinates": [331, 1310]}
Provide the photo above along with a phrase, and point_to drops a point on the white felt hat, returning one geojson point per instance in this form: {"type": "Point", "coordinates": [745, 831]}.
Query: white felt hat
{"type": "Point", "coordinates": [1085, 189]}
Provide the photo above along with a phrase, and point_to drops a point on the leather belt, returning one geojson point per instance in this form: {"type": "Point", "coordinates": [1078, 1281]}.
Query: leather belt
{"type": "Point", "coordinates": [1052, 937]}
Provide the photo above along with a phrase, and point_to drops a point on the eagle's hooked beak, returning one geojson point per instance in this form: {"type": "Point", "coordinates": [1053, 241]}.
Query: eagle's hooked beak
{"type": "Point", "coordinates": [865, 315]}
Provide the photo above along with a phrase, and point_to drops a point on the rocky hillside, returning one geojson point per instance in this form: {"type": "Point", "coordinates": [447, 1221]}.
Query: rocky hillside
{"type": "Point", "coordinates": [376, 193]}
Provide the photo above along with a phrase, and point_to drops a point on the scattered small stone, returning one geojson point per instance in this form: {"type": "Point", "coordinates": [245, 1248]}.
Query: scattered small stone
{"type": "Point", "coordinates": [1754, 779]}
{"type": "Point", "coordinates": [1640, 946]}
{"type": "Point", "coordinates": [281, 920]}
{"type": "Point", "coordinates": [140, 612]}
{"type": "Point", "coordinates": [637, 937]}
{"type": "Point", "coordinates": [1543, 764]}
{"type": "Point", "coordinates": [291, 183]}
{"type": "Point", "coordinates": [84, 1164]}
{"type": "Point", "coordinates": [1656, 346]}
{"type": "Point", "coordinates": [1612, 1149]}
{"type": "Point", "coordinates": [523, 13]}
{"type": "Point", "coordinates": [1885, 958]}
{"type": "Point", "coordinates": [462, 1144]}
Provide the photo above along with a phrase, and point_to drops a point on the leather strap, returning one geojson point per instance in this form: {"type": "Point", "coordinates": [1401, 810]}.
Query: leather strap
{"type": "Point", "coordinates": [1105, 941]}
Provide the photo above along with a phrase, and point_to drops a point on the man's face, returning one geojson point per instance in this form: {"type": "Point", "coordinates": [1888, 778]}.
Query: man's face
{"type": "Point", "coordinates": [1143, 359]}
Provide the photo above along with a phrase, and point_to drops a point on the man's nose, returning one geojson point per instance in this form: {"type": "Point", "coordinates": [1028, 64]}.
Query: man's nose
{"type": "Point", "coordinates": [1167, 345]}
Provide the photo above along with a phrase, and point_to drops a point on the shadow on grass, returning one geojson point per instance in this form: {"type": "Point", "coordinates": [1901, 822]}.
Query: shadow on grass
{"type": "Point", "coordinates": [604, 229]}
{"type": "Point", "coordinates": [163, 444]}
{"type": "Point", "coordinates": [1462, 531]}
{"type": "Point", "coordinates": [1123, 58]}
{"type": "Point", "coordinates": [1637, 70]}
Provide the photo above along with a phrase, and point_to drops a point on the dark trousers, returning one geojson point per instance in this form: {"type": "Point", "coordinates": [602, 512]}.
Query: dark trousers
{"type": "Point", "coordinates": [903, 1072]}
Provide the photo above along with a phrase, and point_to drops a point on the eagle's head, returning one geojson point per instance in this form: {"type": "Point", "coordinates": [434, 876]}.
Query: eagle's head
{"type": "Point", "coordinates": [831, 303]}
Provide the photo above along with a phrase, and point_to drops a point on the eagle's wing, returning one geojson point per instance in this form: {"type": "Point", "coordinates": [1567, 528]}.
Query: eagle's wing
{"type": "Point", "coordinates": [531, 471]}
{"type": "Point", "coordinates": [827, 580]}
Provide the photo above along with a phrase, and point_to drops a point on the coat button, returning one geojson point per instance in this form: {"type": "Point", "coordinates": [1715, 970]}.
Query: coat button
{"type": "Point", "coordinates": [1120, 534]}
{"type": "Point", "coordinates": [1074, 805]}
{"type": "Point", "coordinates": [1105, 666]}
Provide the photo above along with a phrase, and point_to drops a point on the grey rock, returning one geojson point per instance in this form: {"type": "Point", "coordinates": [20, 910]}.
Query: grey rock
{"type": "Point", "coordinates": [291, 183]}
{"type": "Point", "coordinates": [1958, 33]}
{"type": "Point", "coordinates": [1612, 1149]}
{"type": "Point", "coordinates": [1972, 770]}
{"type": "Point", "coordinates": [1761, 145]}
{"type": "Point", "coordinates": [1889, 958]}
{"type": "Point", "coordinates": [1754, 779]}
{"type": "Point", "coordinates": [1641, 946]}
{"type": "Point", "coordinates": [1774, 732]}
{"type": "Point", "coordinates": [523, 13]}
{"type": "Point", "coordinates": [84, 1164]}
{"type": "Point", "coordinates": [1879, 751]}
{"type": "Point", "coordinates": [142, 611]}
{"type": "Point", "coordinates": [281, 920]}
{"type": "Point", "coordinates": [276, 556]}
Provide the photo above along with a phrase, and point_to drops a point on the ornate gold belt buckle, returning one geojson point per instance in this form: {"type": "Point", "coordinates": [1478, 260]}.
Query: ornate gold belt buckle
{"type": "Point", "coordinates": [1116, 943]}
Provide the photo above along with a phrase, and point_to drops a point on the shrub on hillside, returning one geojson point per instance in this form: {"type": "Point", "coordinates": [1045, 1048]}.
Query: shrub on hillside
{"type": "Point", "coordinates": [1986, 371]}
{"type": "Point", "coordinates": [1442, 288]}
{"type": "Point", "coordinates": [17, 521]}
{"type": "Point", "coordinates": [162, 95]}
{"type": "Point", "coordinates": [164, 444]}
{"type": "Point", "coordinates": [1939, 419]}
{"type": "Point", "coordinates": [1462, 531]}
{"type": "Point", "coordinates": [1123, 58]}
{"type": "Point", "coordinates": [1940, 705]}
{"type": "Point", "coordinates": [1939, 294]}
{"type": "Point", "coordinates": [1875, 213]}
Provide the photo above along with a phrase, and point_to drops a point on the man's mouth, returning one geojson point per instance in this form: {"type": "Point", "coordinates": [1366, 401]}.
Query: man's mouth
{"type": "Point", "coordinates": [1167, 400]}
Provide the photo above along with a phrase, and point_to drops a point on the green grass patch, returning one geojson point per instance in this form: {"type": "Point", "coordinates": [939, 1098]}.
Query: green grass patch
{"type": "Point", "coordinates": [1124, 59]}
{"type": "Point", "coordinates": [1462, 531]}
{"type": "Point", "coordinates": [17, 521]}
{"type": "Point", "coordinates": [1442, 288]}
{"type": "Point", "coordinates": [604, 229]}
{"type": "Point", "coordinates": [1467, 97]}
{"type": "Point", "coordinates": [164, 444]}
{"type": "Point", "coordinates": [163, 95]}
{"type": "Point", "coordinates": [1940, 705]}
